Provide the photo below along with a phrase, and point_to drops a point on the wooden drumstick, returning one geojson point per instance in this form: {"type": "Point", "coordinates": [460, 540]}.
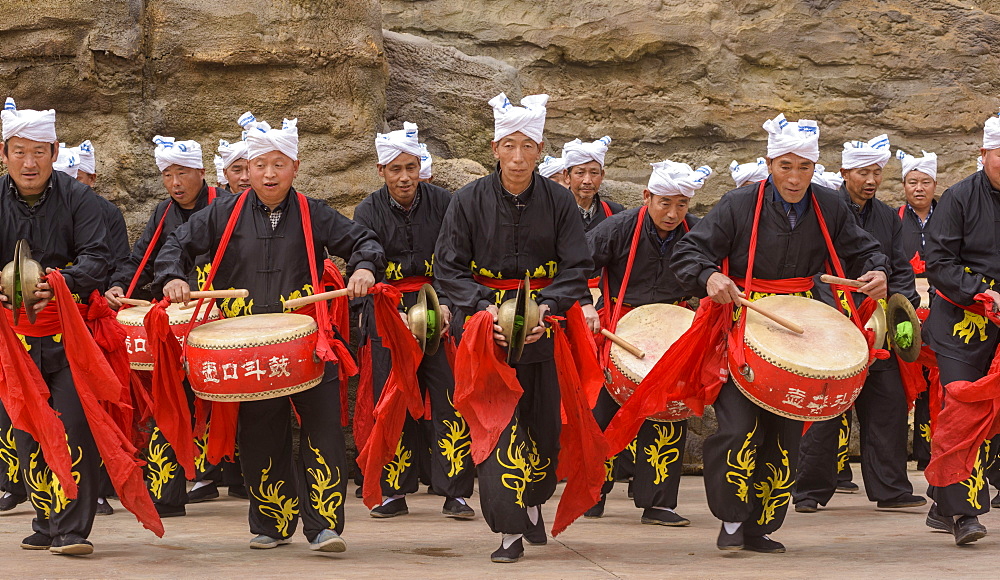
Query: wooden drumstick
{"type": "Point", "coordinates": [628, 346]}
{"type": "Point", "coordinates": [134, 302]}
{"type": "Point", "coordinates": [768, 314]}
{"type": "Point", "coordinates": [826, 278]}
{"type": "Point", "coordinates": [199, 294]}
{"type": "Point", "coordinates": [297, 302]}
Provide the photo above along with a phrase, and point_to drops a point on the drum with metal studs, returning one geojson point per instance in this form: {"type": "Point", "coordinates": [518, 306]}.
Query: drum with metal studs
{"type": "Point", "coordinates": [140, 354]}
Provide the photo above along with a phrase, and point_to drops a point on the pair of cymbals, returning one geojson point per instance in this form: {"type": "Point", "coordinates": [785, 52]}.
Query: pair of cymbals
{"type": "Point", "coordinates": [517, 317]}
{"type": "Point", "coordinates": [425, 320]}
{"type": "Point", "coordinates": [890, 326]}
{"type": "Point", "coordinates": [19, 279]}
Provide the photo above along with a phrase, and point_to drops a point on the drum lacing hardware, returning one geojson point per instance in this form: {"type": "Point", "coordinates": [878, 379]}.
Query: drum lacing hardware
{"type": "Point", "coordinates": [607, 376]}
{"type": "Point", "coordinates": [747, 372]}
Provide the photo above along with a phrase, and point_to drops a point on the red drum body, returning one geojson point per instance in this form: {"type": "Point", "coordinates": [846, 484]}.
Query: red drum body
{"type": "Point", "coordinates": [140, 356]}
{"type": "Point", "coordinates": [653, 329]}
{"type": "Point", "coordinates": [256, 357]}
{"type": "Point", "coordinates": [812, 376]}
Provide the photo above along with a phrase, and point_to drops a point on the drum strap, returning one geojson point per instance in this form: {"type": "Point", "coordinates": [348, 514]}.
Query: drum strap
{"type": "Point", "coordinates": [616, 311]}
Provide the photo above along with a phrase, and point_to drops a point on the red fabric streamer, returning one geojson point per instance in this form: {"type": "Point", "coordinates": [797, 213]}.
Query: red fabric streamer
{"type": "Point", "coordinates": [486, 388]}
{"type": "Point", "coordinates": [142, 407]}
{"type": "Point", "coordinates": [582, 448]}
{"type": "Point", "coordinates": [95, 381]}
{"type": "Point", "coordinates": [364, 398]}
{"type": "Point", "coordinates": [110, 336]}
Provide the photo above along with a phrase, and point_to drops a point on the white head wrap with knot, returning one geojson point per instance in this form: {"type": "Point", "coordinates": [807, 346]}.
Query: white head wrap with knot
{"type": "Point", "coordinates": [261, 138]}
{"type": "Point", "coordinates": [826, 178]}
{"type": "Point", "coordinates": [991, 133]}
{"type": "Point", "coordinates": [551, 165]}
{"type": "Point", "coordinates": [576, 152]}
{"type": "Point", "coordinates": [800, 138]}
{"type": "Point", "coordinates": [426, 163]}
{"type": "Point", "coordinates": [529, 118]}
{"type": "Point", "coordinates": [744, 173]}
{"type": "Point", "coordinates": [861, 154]}
{"type": "Point", "coordinates": [88, 161]}
{"type": "Point", "coordinates": [672, 178]}
{"type": "Point", "coordinates": [169, 152]}
{"type": "Point", "coordinates": [389, 145]}
{"type": "Point", "coordinates": [926, 164]}
{"type": "Point", "coordinates": [68, 160]}
{"type": "Point", "coordinates": [28, 124]}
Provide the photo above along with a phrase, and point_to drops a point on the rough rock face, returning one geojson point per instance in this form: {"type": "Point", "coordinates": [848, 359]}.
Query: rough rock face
{"type": "Point", "coordinates": [693, 81]}
{"type": "Point", "coordinates": [119, 73]}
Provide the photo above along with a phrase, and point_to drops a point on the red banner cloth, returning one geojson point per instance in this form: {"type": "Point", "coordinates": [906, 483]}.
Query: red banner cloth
{"type": "Point", "coordinates": [582, 447]}
{"type": "Point", "coordinates": [110, 336]}
{"type": "Point", "coordinates": [364, 398]}
{"type": "Point", "coordinates": [970, 416]}
{"type": "Point", "coordinates": [410, 283]}
{"type": "Point", "coordinates": [486, 387]}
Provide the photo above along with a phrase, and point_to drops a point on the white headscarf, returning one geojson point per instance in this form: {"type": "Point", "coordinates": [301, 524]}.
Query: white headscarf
{"type": "Point", "coordinates": [551, 165]}
{"type": "Point", "coordinates": [861, 154]}
{"type": "Point", "coordinates": [979, 163]}
{"type": "Point", "coordinates": [529, 118]}
{"type": "Point", "coordinates": [29, 124]}
{"type": "Point", "coordinates": [170, 152]}
{"type": "Point", "coordinates": [576, 152]}
{"type": "Point", "coordinates": [68, 161]}
{"type": "Point", "coordinates": [671, 178]}
{"type": "Point", "coordinates": [88, 161]}
{"type": "Point", "coordinates": [232, 152]}
{"type": "Point", "coordinates": [826, 178]}
{"type": "Point", "coordinates": [261, 138]}
{"type": "Point", "coordinates": [744, 173]}
{"type": "Point", "coordinates": [926, 164]}
{"type": "Point", "coordinates": [991, 133]}
{"type": "Point", "coordinates": [389, 145]}
{"type": "Point", "coordinates": [426, 162]}
{"type": "Point", "coordinates": [800, 138]}
{"type": "Point", "coordinates": [220, 173]}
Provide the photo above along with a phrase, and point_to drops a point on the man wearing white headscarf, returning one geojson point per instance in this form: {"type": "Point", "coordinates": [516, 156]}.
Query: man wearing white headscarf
{"type": "Point", "coordinates": [406, 214]}
{"type": "Point", "coordinates": [61, 219]}
{"type": "Point", "coordinates": [962, 266]}
{"type": "Point", "coordinates": [828, 179]}
{"type": "Point", "coordinates": [744, 173]}
{"type": "Point", "coordinates": [497, 229]}
{"type": "Point", "coordinates": [664, 221]}
{"type": "Point", "coordinates": [585, 173]}
{"type": "Point", "coordinates": [882, 408]}
{"type": "Point", "coordinates": [231, 166]}
{"type": "Point", "coordinates": [269, 256]}
{"type": "Point", "coordinates": [790, 250]}
{"type": "Point", "coordinates": [554, 168]}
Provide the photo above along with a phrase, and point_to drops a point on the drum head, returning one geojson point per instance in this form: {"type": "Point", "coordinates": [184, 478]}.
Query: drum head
{"type": "Point", "coordinates": [248, 331]}
{"type": "Point", "coordinates": [653, 329]}
{"type": "Point", "coordinates": [133, 315]}
{"type": "Point", "coordinates": [831, 346]}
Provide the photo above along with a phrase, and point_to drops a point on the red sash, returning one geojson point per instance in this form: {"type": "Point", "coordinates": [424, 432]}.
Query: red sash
{"type": "Point", "coordinates": [505, 284]}
{"type": "Point", "coordinates": [410, 283]}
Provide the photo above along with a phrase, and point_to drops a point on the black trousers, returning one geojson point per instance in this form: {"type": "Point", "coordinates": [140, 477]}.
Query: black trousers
{"type": "Point", "coordinates": [280, 490]}
{"type": "Point", "coordinates": [750, 463]}
{"type": "Point", "coordinates": [10, 478]}
{"type": "Point", "coordinates": [439, 447]}
{"type": "Point", "coordinates": [55, 514]}
{"type": "Point", "coordinates": [521, 471]}
{"type": "Point", "coordinates": [972, 496]}
{"type": "Point", "coordinates": [844, 472]}
{"type": "Point", "coordinates": [882, 416]}
{"type": "Point", "coordinates": [922, 430]}
{"type": "Point", "coordinates": [659, 458]}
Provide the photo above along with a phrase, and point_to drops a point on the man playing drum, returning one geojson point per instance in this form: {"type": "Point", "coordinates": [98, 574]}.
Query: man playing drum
{"type": "Point", "coordinates": [754, 445]}
{"type": "Point", "coordinates": [497, 229]}
{"type": "Point", "coordinates": [406, 215]}
{"type": "Point", "coordinates": [268, 255]}
{"type": "Point", "coordinates": [659, 448]}
{"type": "Point", "coordinates": [882, 406]}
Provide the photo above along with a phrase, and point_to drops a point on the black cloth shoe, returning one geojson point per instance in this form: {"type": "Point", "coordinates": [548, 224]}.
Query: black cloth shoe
{"type": "Point", "coordinates": [939, 522]}
{"type": "Point", "coordinates": [763, 544]}
{"type": "Point", "coordinates": [657, 517]}
{"type": "Point", "coordinates": [733, 541]}
{"type": "Point", "coordinates": [238, 491]}
{"type": "Point", "coordinates": [170, 511]}
{"type": "Point", "coordinates": [360, 492]}
{"type": "Point", "coordinates": [904, 501]}
{"type": "Point", "coordinates": [536, 532]}
{"type": "Point", "coordinates": [847, 487]}
{"type": "Point", "coordinates": [11, 501]}
{"type": "Point", "coordinates": [598, 510]}
{"type": "Point", "coordinates": [631, 494]}
{"type": "Point", "coordinates": [456, 509]}
{"type": "Point", "coordinates": [807, 506]}
{"type": "Point", "coordinates": [104, 508]}
{"type": "Point", "coordinates": [396, 507]}
{"type": "Point", "coordinates": [71, 545]}
{"type": "Point", "coordinates": [508, 555]}
{"type": "Point", "coordinates": [968, 530]}
{"type": "Point", "coordinates": [922, 465]}
{"type": "Point", "coordinates": [203, 493]}
{"type": "Point", "coordinates": [996, 501]}
{"type": "Point", "coordinates": [36, 541]}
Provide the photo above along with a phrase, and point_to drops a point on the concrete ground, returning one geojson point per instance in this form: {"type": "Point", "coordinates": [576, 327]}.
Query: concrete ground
{"type": "Point", "coordinates": [849, 539]}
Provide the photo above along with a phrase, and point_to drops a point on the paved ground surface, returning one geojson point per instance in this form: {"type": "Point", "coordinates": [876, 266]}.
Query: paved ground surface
{"type": "Point", "coordinates": [849, 539]}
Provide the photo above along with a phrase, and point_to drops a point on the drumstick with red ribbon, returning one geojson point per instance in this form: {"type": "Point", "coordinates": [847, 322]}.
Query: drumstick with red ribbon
{"type": "Point", "coordinates": [199, 294]}
{"type": "Point", "coordinates": [768, 314]}
{"type": "Point", "coordinates": [628, 346]}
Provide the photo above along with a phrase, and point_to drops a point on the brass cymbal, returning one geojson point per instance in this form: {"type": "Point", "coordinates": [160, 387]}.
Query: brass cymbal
{"type": "Point", "coordinates": [425, 320]}
{"type": "Point", "coordinates": [517, 317]}
{"type": "Point", "coordinates": [899, 311]}
{"type": "Point", "coordinates": [19, 279]}
{"type": "Point", "coordinates": [877, 324]}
